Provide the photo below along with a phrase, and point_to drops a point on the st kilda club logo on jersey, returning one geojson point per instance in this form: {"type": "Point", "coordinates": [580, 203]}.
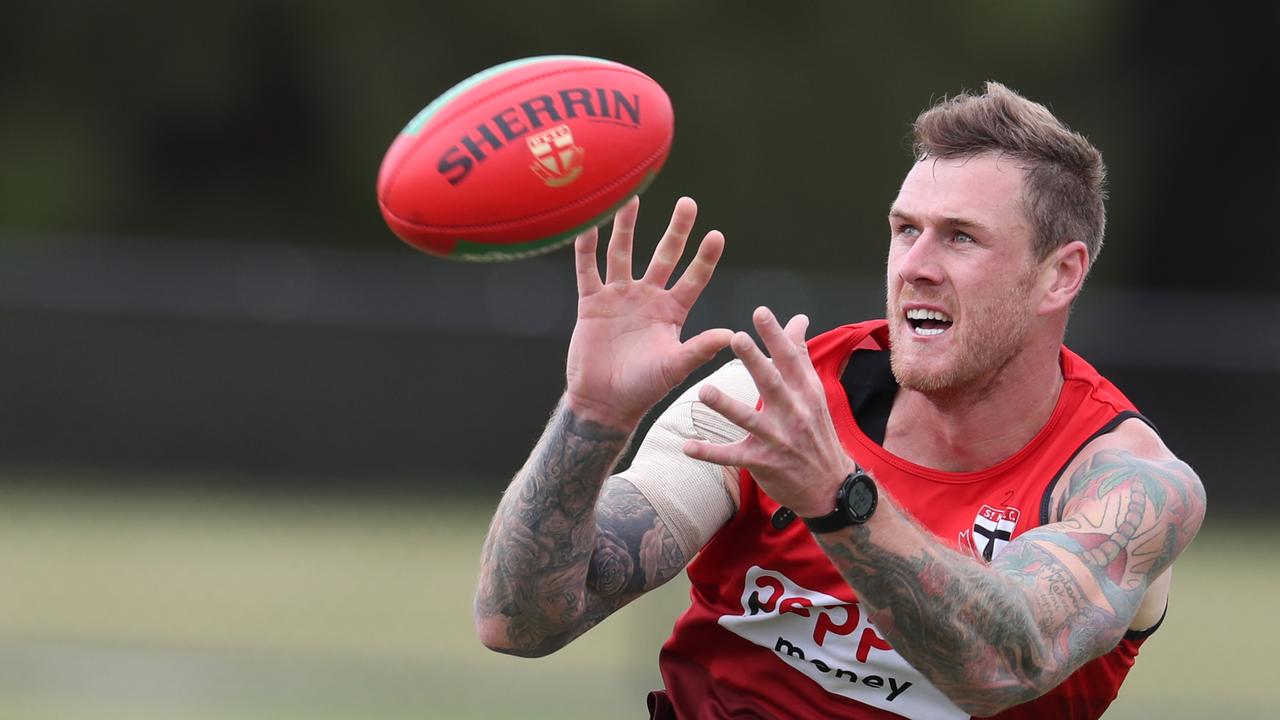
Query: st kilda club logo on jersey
{"type": "Point", "coordinates": [992, 530]}
{"type": "Point", "coordinates": [504, 127]}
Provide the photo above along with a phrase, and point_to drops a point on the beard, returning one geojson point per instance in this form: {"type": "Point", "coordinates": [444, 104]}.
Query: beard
{"type": "Point", "coordinates": [988, 338]}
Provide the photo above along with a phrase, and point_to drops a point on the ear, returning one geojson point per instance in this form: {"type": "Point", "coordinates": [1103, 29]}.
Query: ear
{"type": "Point", "coordinates": [1061, 276]}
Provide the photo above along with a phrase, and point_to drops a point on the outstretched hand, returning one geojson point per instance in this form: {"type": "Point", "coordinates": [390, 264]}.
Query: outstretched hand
{"type": "Point", "coordinates": [626, 353]}
{"type": "Point", "coordinates": [791, 447]}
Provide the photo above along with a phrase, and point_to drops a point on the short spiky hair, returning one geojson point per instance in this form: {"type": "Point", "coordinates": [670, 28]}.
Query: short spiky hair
{"type": "Point", "coordinates": [1064, 197]}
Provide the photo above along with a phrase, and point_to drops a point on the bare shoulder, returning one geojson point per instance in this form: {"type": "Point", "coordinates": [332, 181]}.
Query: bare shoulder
{"type": "Point", "coordinates": [1133, 451]}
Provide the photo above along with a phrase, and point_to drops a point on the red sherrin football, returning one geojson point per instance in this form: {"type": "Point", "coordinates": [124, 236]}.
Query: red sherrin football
{"type": "Point", "coordinates": [520, 158]}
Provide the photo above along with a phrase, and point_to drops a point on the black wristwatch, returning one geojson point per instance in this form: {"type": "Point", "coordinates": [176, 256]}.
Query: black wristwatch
{"type": "Point", "coordinates": [855, 503]}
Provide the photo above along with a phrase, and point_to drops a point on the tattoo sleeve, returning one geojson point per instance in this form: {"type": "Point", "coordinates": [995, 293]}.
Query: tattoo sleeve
{"type": "Point", "coordinates": [991, 637]}
{"type": "Point", "coordinates": [568, 545]}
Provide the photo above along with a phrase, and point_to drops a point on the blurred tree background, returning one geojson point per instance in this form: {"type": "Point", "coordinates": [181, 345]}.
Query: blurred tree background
{"type": "Point", "coordinates": [198, 291]}
{"type": "Point", "coordinates": [266, 120]}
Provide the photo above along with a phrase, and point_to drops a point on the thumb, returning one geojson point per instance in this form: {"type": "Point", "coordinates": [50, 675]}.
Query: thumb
{"type": "Point", "coordinates": [700, 348]}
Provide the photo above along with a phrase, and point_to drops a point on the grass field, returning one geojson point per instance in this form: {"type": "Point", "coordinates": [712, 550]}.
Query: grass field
{"type": "Point", "coordinates": [145, 605]}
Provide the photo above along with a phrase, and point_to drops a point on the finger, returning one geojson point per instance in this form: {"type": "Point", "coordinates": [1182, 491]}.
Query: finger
{"type": "Point", "coordinates": [584, 256]}
{"type": "Point", "coordinates": [735, 411]}
{"type": "Point", "coordinates": [671, 246]}
{"type": "Point", "coordinates": [731, 455]}
{"type": "Point", "coordinates": [782, 347]}
{"type": "Point", "coordinates": [618, 257]}
{"type": "Point", "coordinates": [698, 274]}
{"type": "Point", "coordinates": [762, 372]}
{"type": "Point", "coordinates": [795, 330]}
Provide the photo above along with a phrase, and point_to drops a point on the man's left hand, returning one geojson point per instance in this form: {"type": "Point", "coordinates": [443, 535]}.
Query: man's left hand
{"type": "Point", "coordinates": [791, 447]}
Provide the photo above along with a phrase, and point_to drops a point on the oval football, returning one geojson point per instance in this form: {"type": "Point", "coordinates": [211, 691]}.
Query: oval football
{"type": "Point", "coordinates": [520, 158]}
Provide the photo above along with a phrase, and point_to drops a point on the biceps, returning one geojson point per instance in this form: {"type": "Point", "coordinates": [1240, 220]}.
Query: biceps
{"type": "Point", "coordinates": [1063, 587]}
{"type": "Point", "coordinates": [1094, 566]}
{"type": "Point", "coordinates": [1086, 576]}
{"type": "Point", "coordinates": [1128, 518]}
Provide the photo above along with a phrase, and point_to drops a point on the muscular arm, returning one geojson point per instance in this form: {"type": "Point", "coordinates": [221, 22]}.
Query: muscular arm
{"type": "Point", "coordinates": [568, 546]}
{"type": "Point", "coordinates": [995, 636]}
{"type": "Point", "coordinates": [989, 637]}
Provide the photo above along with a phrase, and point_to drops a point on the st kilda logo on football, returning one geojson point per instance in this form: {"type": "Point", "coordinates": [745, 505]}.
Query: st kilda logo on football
{"type": "Point", "coordinates": [557, 160]}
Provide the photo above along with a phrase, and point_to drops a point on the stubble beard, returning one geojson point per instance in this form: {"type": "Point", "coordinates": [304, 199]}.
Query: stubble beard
{"type": "Point", "coordinates": [989, 339]}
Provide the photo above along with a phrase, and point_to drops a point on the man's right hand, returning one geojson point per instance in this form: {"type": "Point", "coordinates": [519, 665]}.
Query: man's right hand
{"type": "Point", "coordinates": [626, 353]}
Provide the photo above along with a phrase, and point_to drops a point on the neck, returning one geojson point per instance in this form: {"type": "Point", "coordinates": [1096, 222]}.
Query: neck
{"type": "Point", "coordinates": [986, 422]}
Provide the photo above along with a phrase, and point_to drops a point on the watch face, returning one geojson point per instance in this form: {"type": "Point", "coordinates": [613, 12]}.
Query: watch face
{"type": "Point", "coordinates": [855, 502]}
{"type": "Point", "coordinates": [862, 499]}
{"type": "Point", "coordinates": [858, 497]}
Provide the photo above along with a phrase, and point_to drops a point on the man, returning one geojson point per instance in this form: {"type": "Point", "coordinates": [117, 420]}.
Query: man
{"type": "Point", "coordinates": [942, 514]}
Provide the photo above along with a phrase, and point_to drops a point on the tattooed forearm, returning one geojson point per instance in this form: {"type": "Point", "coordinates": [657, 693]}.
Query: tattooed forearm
{"type": "Point", "coordinates": [557, 559]}
{"type": "Point", "coordinates": [534, 564]}
{"type": "Point", "coordinates": [959, 624]}
{"type": "Point", "coordinates": [995, 636]}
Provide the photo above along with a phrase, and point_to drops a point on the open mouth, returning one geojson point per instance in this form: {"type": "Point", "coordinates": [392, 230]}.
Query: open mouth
{"type": "Point", "coordinates": [928, 322]}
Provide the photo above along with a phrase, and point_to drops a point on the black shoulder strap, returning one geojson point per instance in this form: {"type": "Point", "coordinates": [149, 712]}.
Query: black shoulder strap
{"type": "Point", "coordinates": [1111, 425]}
{"type": "Point", "coordinates": [1144, 634]}
{"type": "Point", "coordinates": [868, 382]}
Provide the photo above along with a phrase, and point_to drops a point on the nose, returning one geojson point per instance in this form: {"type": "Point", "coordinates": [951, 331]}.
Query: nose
{"type": "Point", "coordinates": [918, 263]}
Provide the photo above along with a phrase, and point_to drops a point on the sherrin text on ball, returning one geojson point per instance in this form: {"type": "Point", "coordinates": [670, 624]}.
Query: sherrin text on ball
{"type": "Point", "coordinates": [520, 158]}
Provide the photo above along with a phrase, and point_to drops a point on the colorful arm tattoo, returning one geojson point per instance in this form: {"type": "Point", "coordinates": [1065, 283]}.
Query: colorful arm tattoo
{"type": "Point", "coordinates": [1059, 595]}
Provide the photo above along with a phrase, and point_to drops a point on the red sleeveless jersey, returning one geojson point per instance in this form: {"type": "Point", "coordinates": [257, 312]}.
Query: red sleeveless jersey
{"type": "Point", "coordinates": [774, 631]}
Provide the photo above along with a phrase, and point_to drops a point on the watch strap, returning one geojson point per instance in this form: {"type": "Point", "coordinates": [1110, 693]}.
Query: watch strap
{"type": "Point", "coordinates": [835, 520]}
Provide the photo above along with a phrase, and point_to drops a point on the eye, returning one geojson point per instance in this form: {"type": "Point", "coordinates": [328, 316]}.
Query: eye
{"type": "Point", "coordinates": [910, 231]}
{"type": "Point", "coordinates": [964, 238]}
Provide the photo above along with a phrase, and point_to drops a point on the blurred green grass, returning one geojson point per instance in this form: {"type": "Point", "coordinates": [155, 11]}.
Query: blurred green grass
{"type": "Point", "coordinates": [234, 606]}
